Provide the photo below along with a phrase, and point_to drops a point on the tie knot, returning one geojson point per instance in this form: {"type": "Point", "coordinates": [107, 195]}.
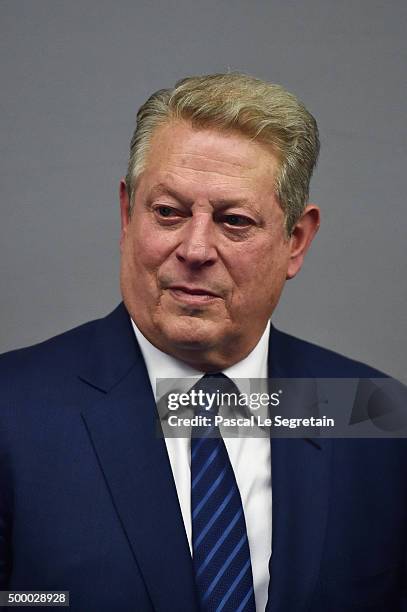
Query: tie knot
{"type": "Point", "coordinates": [212, 391]}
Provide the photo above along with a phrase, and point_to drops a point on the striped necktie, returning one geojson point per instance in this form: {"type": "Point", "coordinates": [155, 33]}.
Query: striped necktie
{"type": "Point", "coordinates": [221, 553]}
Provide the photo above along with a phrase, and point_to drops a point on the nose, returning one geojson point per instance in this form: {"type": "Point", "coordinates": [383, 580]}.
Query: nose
{"type": "Point", "coordinates": [197, 247]}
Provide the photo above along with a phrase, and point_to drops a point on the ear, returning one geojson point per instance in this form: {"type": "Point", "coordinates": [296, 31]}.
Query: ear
{"type": "Point", "coordinates": [300, 240]}
{"type": "Point", "coordinates": [124, 210]}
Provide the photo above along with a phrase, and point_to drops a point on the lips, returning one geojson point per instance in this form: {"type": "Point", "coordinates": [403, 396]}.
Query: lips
{"type": "Point", "coordinates": [193, 290]}
{"type": "Point", "coordinates": [195, 297]}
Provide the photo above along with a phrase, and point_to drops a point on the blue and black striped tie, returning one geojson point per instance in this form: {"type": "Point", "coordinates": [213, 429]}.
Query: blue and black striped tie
{"type": "Point", "coordinates": [221, 552]}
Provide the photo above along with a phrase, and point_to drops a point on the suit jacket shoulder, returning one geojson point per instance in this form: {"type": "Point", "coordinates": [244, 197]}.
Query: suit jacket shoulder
{"type": "Point", "coordinates": [298, 358]}
{"type": "Point", "coordinates": [62, 358]}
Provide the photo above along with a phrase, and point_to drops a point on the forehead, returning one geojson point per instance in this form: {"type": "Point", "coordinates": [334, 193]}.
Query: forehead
{"type": "Point", "coordinates": [209, 157]}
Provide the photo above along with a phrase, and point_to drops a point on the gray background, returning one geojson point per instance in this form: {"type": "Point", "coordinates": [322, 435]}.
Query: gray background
{"type": "Point", "coordinates": [72, 77]}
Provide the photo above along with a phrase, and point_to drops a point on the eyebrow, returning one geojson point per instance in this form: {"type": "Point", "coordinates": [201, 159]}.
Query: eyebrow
{"type": "Point", "coordinates": [162, 189]}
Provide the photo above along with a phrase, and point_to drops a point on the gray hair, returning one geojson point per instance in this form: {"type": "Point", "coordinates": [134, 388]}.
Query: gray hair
{"type": "Point", "coordinates": [262, 111]}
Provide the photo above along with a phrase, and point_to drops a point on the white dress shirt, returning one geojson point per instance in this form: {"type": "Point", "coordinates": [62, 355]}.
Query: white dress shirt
{"type": "Point", "coordinates": [250, 457]}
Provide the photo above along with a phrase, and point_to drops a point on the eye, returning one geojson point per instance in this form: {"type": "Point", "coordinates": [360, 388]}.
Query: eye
{"type": "Point", "coordinates": [237, 220]}
{"type": "Point", "coordinates": [165, 211]}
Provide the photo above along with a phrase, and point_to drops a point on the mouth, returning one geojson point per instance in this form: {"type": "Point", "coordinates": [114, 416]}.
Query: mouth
{"type": "Point", "coordinates": [192, 295]}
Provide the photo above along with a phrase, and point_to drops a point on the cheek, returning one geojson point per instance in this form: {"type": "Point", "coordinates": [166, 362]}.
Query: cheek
{"type": "Point", "coordinates": [260, 273]}
{"type": "Point", "coordinates": [146, 250]}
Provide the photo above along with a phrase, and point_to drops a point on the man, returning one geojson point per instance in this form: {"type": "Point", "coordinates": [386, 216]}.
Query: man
{"type": "Point", "coordinates": [214, 220]}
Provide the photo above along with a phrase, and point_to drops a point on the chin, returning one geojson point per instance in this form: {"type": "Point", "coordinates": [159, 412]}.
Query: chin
{"type": "Point", "coordinates": [191, 334]}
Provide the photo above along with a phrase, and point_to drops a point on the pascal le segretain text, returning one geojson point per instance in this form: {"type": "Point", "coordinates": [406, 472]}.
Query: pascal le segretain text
{"type": "Point", "coordinates": [251, 421]}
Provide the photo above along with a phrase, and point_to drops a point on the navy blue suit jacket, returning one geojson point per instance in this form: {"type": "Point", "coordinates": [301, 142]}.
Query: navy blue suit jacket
{"type": "Point", "coordinates": [88, 502]}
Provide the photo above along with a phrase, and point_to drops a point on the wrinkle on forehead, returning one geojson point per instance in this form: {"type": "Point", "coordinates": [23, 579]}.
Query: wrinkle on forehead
{"type": "Point", "coordinates": [184, 157]}
{"type": "Point", "coordinates": [181, 171]}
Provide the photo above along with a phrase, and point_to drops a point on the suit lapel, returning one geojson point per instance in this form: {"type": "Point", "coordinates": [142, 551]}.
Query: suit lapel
{"type": "Point", "coordinates": [135, 464]}
{"type": "Point", "coordinates": [301, 470]}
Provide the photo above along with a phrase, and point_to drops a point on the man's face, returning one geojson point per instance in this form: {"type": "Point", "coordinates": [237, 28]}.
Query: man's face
{"type": "Point", "coordinates": [204, 253]}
